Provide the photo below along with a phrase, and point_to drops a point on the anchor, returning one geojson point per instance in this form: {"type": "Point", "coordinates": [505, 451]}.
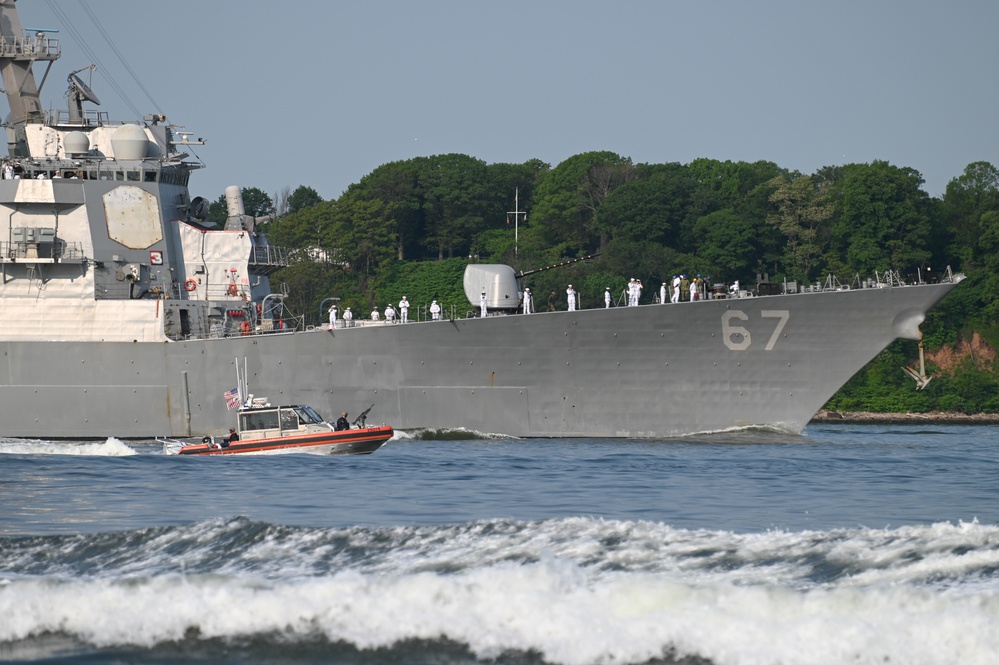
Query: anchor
{"type": "Point", "coordinates": [920, 377]}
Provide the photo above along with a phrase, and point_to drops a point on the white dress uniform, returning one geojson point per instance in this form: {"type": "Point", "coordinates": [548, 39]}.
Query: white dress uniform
{"type": "Point", "coordinates": [570, 294]}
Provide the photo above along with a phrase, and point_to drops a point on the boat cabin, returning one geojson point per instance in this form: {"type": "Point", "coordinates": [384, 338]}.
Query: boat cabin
{"type": "Point", "coordinates": [281, 421]}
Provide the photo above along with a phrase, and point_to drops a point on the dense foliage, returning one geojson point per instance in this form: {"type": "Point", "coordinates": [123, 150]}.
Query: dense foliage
{"type": "Point", "coordinates": [409, 227]}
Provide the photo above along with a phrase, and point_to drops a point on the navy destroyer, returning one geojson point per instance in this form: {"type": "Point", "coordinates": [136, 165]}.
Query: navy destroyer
{"type": "Point", "coordinates": [122, 313]}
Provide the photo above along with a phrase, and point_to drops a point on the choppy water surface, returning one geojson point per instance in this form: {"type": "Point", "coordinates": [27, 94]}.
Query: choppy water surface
{"type": "Point", "coordinates": [861, 544]}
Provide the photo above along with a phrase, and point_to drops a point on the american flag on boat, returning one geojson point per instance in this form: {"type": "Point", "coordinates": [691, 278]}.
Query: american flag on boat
{"type": "Point", "coordinates": [231, 398]}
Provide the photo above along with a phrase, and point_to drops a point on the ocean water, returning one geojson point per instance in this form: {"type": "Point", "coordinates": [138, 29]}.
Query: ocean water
{"type": "Point", "coordinates": [849, 544]}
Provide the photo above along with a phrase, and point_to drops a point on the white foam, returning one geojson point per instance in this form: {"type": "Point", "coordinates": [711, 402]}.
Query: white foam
{"type": "Point", "coordinates": [112, 447]}
{"type": "Point", "coordinates": [446, 434]}
{"type": "Point", "coordinates": [554, 607]}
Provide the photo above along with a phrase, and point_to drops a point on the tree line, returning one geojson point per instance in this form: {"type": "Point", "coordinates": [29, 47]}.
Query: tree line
{"type": "Point", "coordinates": [409, 227]}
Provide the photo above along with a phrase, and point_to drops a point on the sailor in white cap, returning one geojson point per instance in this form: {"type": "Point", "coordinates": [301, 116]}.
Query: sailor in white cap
{"type": "Point", "coordinates": [332, 311]}
{"type": "Point", "coordinates": [570, 294]}
{"type": "Point", "coordinates": [404, 310]}
{"type": "Point", "coordinates": [482, 304]}
{"type": "Point", "coordinates": [607, 298]}
{"type": "Point", "coordinates": [662, 293]}
{"type": "Point", "coordinates": [675, 297]}
{"type": "Point", "coordinates": [389, 313]}
{"type": "Point", "coordinates": [374, 314]}
{"type": "Point", "coordinates": [348, 318]}
{"type": "Point", "coordinates": [435, 311]}
{"type": "Point", "coordinates": [528, 301]}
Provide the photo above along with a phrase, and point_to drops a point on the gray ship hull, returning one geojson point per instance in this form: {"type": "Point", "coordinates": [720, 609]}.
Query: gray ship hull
{"type": "Point", "coordinates": [649, 371]}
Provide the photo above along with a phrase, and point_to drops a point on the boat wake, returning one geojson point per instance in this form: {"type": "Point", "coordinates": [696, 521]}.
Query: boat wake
{"type": "Point", "coordinates": [112, 447]}
{"type": "Point", "coordinates": [448, 434]}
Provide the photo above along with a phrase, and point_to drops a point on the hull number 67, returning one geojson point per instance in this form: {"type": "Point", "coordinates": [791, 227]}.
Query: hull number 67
{"type": "Point", "coordinates": [738, 338]}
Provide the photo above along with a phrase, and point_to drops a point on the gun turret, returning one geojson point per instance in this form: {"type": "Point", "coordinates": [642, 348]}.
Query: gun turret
{"type": "Point", "coordinates": [359, 421]}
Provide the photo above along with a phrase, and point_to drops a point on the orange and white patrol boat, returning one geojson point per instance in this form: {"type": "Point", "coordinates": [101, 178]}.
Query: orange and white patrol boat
{"type": "Point", "coordinates": [264, 429]}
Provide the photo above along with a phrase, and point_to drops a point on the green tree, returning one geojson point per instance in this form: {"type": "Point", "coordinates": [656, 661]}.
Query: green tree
{"type": "Point", "coordinates": [802, 216]}
{"type": "Point", "coordinates": [362, 234]}
{"type": "Point", "coordinates": [568, 196]}
{"type": "Point", "coordinates": [453, 191]}
{"type": "Point", "coordinates": [650, 207]}
{"type": "Point", "coordinates": [303, 197]}
{"type": "Point", "coordinates": [724, 185]}
{"type": "Point", "coordinates": [728, 245]}
{"type": "Point", "coordinates": [884, 220]}
{"type": "Point", "coordinates": [967, 198]}
{"type": "Point", "coordinates": [395, 185]}
{"type": "Point", "coordinates": [305, 229]}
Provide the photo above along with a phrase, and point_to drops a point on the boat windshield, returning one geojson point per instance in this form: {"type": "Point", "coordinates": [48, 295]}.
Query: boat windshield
{"type": "Point", "coordinates": [308, 415]}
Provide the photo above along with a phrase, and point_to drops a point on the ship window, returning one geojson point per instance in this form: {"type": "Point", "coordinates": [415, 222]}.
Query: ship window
{"type": "Point", "coordinates": [254, 420]}
{"type": "Point", "coordinates": [289, 420]}
{"type": "Point", "coordinates": [133, 176]}
{"type": "Point", "coordinates": [149, 176]}
{"type": "Point", "coordinates": [308, 415]}
{"type": "Point", "coordinates": [118, 175]}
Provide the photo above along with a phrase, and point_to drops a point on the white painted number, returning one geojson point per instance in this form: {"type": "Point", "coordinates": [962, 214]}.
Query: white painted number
{"type": "Point", "coordinates": [781, 314]}
{"type": "Point", "coordinates": [737, 338]}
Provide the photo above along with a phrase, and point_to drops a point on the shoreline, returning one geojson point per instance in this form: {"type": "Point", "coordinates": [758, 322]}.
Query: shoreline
{"type": "Point", "coordinates": [935, 417]}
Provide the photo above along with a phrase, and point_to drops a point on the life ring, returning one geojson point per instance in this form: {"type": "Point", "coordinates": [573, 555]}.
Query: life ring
{"type": "Point", "coordinates": [190, 285]}
{"type": "Point", "coordinates": [206, 439]}
{"type": "Point", "coordinates": [244, 328]}
{"type": "Point", "coordinates": [232, 289]}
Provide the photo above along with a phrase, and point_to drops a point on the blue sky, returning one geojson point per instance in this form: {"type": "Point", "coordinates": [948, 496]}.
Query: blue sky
{"type": "Point", "coordinates": [320, 93]}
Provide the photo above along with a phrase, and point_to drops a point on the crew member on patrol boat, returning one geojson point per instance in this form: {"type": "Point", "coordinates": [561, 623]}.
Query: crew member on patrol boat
{"type": "Point", "coordinates": [341, 422]}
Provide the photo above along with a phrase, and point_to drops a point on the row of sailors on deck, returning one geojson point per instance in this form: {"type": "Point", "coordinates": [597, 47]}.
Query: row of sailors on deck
{"type": "Point", "coordinates": [390, 313]}
{"type": "Point", "coordinates": [679, 289]}
{"type": "Point", "coordinates": [676, 290]}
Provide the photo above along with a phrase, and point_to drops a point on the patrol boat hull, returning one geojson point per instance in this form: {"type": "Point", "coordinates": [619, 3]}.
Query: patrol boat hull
{"type": "Point", "coordinates": [647, 371]}
{"type": "Point", "coordinates": [363, 441]}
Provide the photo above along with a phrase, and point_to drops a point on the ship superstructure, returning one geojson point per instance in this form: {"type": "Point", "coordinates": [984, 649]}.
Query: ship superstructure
{"type": "Point", "coordinates": [100, 240]}
{"type": "Point", "coordinates": [122, 313]}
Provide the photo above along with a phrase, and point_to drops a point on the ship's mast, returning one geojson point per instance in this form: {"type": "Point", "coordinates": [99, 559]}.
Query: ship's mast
{"type": "Point", "coordinates": [18, 52]}
{"type": "Point", "coordinates": [516, 212]}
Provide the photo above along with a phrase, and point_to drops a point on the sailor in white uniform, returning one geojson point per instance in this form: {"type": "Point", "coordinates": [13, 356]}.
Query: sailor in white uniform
{"type": "Point", "coordinates": [528, 301]}
{"type": "Point", "coordinates": [607, 298]}
{"type": "Point", "coordinates": [435, 311]}
{"type": "Point", "coordinates": [374, 314]}
{"type": "Point", "coordinates": [570, 294]}
{"type": "Point", "coordinates": [662, 293]}
{"type": "Point", "coordinates": [389, 313]}
{"type": "Point", "coordinates": [348, 318]}
{"type": "Point", "coordinates": [676, 289]}
{"type": "Point", "coordinates": [404, 310]}
{"type": "Point", "coordinates": [482, 304]}
{"type": "Point", "coordinates": [332, 311]}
